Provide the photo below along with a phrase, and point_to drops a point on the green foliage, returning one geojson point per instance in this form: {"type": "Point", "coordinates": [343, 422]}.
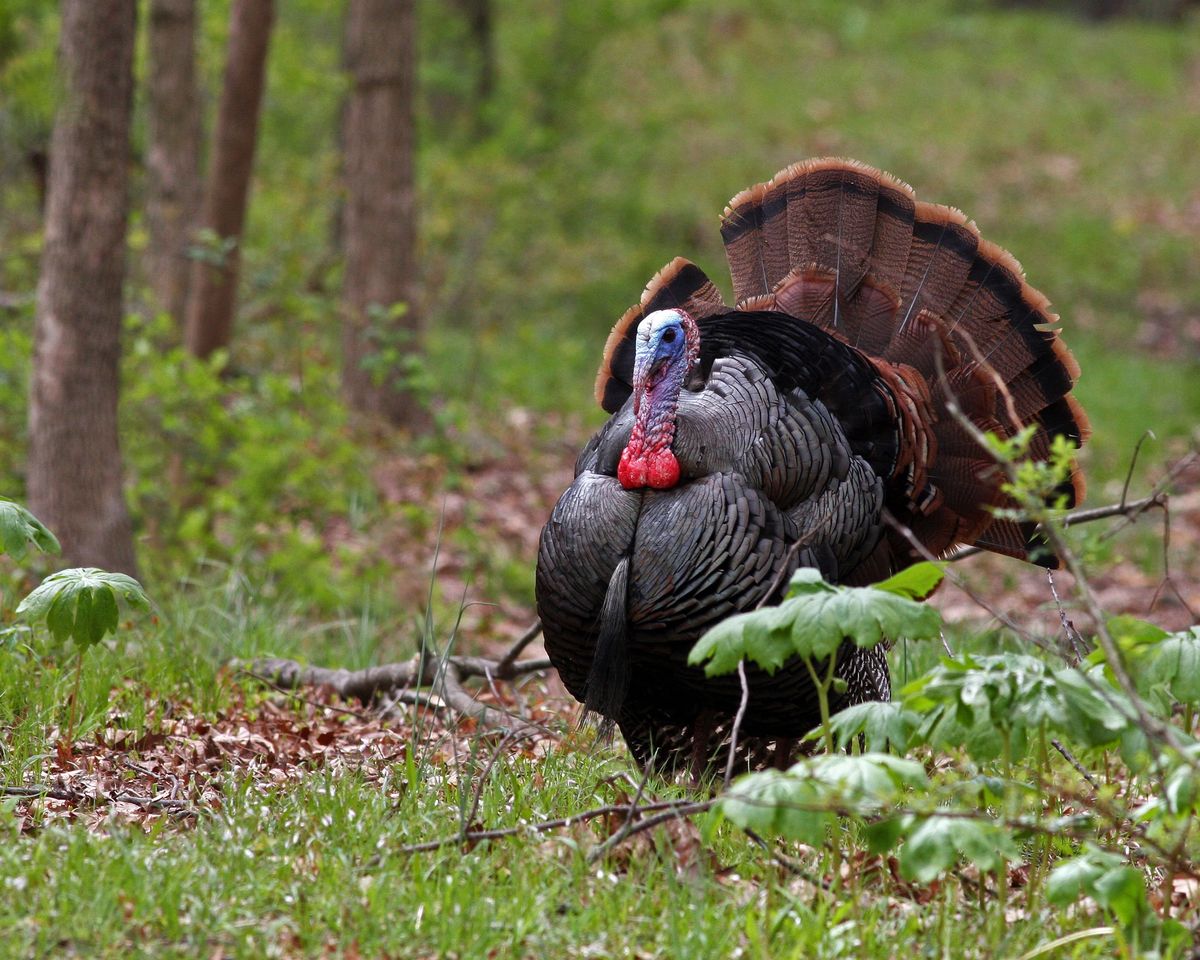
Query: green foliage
{"type": "Point", "coordinates": [615, 133]}
{"type": "Point", "coordinates": [802, 803]}
{"type": "Point", "coordinates": [939, 843]}
{"type": "Point", "coordinates": [814, 621]}
{"type": "Point", "coordinates": [1120, 890]}
{"type": "Point", "coordinates": [880, 724]}
{"type": "Point", "coordinates": [992, 704]}
{"type": "Point", "coordinates": [1165, 666]}
{"type": "Point", "coordinates": [20, 529]}
{"type": "Point", "coordinates": [916, 582]}
{"type": "Point", "coordinates": [253, 468]}
{"type": "Point", "coordinates": [82, 603]}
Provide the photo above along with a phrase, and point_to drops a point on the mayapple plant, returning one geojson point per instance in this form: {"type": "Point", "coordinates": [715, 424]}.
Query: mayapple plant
{"type": "Point", "coordinates": [80, 604]}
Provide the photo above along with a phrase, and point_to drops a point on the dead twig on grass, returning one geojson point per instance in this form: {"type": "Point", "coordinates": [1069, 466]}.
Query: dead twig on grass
{"type": "Point", "coordinates": [443, 676]}
{"type": "Point", "coordinates": [176, 808]}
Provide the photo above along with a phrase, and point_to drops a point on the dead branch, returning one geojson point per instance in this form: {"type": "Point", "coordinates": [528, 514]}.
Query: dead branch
{"type": "Point", "coordinates": [176, 808]}
{"type": "Point", "coordinates": [443, 676]}
{"type": "Point", "coordinates": [676, 807]}
{"type": "Point", "coordinates": [1131, 511]}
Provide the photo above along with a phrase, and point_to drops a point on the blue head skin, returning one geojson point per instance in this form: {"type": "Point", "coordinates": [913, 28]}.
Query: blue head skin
{"type": "Point", "coordinates": [668, 345]}
{"type": "Point", "coordinates": [661, 362]}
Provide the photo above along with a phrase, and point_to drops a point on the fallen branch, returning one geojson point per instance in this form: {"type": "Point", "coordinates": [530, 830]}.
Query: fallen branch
{"type": "Point", "coordinates": [443, 676]}
{"type": "Point", "coordinates": [177, 808]}
{"type": "Point", "coordinates": [672, 809]}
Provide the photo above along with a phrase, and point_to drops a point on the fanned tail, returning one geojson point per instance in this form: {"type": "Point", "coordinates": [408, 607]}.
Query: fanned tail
{"type": "Point", "coordinates": [943, 314]}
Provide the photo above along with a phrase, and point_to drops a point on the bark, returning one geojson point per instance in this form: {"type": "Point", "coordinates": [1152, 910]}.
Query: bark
{"type": "Point", "coordinates": [173, 175]}
{"type": "Point", "coordinates": [74, 470]}
{"type": "Point", "coordinates": [380, 214]}
{"type": "Point", "coordinates": [214, 281]}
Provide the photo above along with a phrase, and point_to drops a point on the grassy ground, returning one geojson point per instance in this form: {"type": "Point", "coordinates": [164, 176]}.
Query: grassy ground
{"type": "Point", "coordinates": [618, 132]}
{"type": "Point", "coordinates": [304, 811]}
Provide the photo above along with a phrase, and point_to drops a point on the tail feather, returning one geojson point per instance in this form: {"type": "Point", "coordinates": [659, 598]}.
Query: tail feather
{"type": "Point", "coordinates": [914, 286]}
{"type": "Point", "coordinates": [939, 259]}
{"type": "Point", "coordinates": [608, 677]}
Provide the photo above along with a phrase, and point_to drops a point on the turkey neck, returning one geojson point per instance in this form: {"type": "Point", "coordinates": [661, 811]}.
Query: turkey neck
{"type": "Point", "coordinates": [647, 459]}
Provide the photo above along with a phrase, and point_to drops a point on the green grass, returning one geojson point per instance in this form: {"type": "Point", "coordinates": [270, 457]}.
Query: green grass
{"type": "Point", "coordinates": [316, 866]}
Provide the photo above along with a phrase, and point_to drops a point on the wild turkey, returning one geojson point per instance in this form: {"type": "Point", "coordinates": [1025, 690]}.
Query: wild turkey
{"type": "Point", "coordinates": [746, 442]}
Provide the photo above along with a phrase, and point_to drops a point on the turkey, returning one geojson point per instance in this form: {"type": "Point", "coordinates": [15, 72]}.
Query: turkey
{"type": "Point", "coordinates": [806, 426]}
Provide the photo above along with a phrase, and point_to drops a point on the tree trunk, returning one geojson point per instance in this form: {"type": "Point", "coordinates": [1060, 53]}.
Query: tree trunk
{"type": "Point", "coordinates": [74, 471]}
{"type": "Point", "coordinates": [214, 278]}
{"type": "Point", "coordinates": [173, 121]}
{"type": "Point", "coordinates": [380, 323]}
{"type": "Point", "coordinates": [479, 21]}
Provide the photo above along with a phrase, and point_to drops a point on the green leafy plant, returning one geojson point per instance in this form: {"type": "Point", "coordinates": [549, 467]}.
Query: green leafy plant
{"type": "Point", "coordinates": [82, 605]}
{"type": "Point", "coordinates": [815, 620]}
{"type": "Point", "coordinates": [20, 529]}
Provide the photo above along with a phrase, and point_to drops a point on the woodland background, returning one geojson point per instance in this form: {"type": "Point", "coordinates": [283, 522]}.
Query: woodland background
{"type": "Point", "coordinates": [347, 404]}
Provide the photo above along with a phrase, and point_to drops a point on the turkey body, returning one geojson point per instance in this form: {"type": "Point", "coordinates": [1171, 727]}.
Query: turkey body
{"type": "Point", "coordinates": [812, 429]}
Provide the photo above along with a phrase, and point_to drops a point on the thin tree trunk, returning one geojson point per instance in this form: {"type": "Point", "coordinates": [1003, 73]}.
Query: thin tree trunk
{"type": "Point", "coordinates": [173, 175]}
{"type": "Point", "coordinates": [214, 280]}
{"type": "Point", "coordinates": [74, 470]}
{"type": "Point", "coordinates": [380, 324]}
{"type": "Point", "coordinates": [479, 20]}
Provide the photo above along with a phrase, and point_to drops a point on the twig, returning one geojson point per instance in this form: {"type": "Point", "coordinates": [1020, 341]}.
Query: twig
{"type": "Point", "coordinates": [1146, 435]}
{"type": "Point", "coordinates": [174, 807]}
{"type": "Point", "coordinates": [357, 714]}
{"type": "Point", "coordinates": [602, 849]}
{"type": "Point", "coordinates": [509, 659]}
{"type": "Point", "coordinates": [1128, 510]}
{"type": "Point", "coordinates": [1079, 649]}
{"type": "Point", "coordinates": [675, 813]}
{"type": "Point", "coordinates": [544, 826]}
{"type": "Point", "coordinates": [443, 675]}
{"type": "Point", "coordinates": [737, 723]}
{"type": "Point", "coordinates": [1079, 767]}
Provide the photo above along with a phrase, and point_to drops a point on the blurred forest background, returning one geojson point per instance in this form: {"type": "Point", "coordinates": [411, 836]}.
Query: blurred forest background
{"type": "Point", "coordinates": [448, 205]}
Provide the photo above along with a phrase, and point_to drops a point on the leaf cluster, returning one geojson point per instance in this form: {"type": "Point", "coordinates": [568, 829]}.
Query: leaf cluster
{"type": "Point", "coordinates": [817, 617]}
{"type": "Point", "coordinates": [81, 604]}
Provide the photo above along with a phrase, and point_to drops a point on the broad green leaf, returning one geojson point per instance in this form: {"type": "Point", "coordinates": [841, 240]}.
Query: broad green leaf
{"type": "Point", "coordinates": [1172, 663]}
{"type": "Point", "coordinates": [1071, 878]}
{"type": "Point", "coordinates": [866, 778]}
{"type": "Point", "coordinates": [19, 529]}
{"type": "Point", "coordinates": [940, 842]}
{"type": "Point", "coordinates": [883, 835]}
{"type": "Point", "coordinates": [82, 603]}
{"type": "Point", "coordinates": [1097, 713]}
{"type": "Point", "coordinates": [1130, 631]}
{"type": "Point", "coordinates": [807, 580]}
{"type": "Point", "coordinates": [1123, 891]}
{"type": "Point", "coordinates": [879, 723]}
{"type": "Point", "coordinates": [774, 803]}
{"type": "Point", "coordinates": [800, 802]}
{"type": "Point", "coordinates": [978, 701]}
{"type": "Point", "coordinates": [916, 582]}
{"type": "Point", "coordinates": [813, 623]}
{"type": "Point", "coordinates": [1181, 789]}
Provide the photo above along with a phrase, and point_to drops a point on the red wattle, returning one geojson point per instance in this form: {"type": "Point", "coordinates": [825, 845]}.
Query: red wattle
{"type": "Point", "coordinates": [631, 470]}
{"type": "Point", "coordinates": [657, 468]}
{"type": "Point", "coordinates": [662, 472]}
